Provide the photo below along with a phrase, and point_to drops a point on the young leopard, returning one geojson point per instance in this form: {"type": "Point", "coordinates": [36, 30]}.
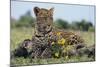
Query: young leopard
{"type": "Point", "coordinates": [45, 34]}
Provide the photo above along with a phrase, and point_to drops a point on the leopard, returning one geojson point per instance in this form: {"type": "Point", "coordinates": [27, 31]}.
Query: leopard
{"type": "Point", "coordinates": [44, 29]}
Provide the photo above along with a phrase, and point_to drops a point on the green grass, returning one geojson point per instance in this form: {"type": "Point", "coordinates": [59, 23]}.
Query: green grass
{"type": "Point", "coordinates": [89, 37]}
{"type": "Point", "coordinates": [27, 61]}
{"type": "Point", "coordinates": [19, 34]}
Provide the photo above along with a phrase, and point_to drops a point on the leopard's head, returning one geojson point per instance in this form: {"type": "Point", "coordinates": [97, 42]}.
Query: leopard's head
{"type": "Point", "coordinates": [44, 19]}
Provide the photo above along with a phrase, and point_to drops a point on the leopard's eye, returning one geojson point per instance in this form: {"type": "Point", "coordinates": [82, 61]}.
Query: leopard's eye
{"type": "Point", "coordinates": [48, 24]}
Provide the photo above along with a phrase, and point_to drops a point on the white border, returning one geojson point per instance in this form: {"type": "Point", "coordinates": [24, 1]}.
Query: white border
{"type": "Point", "coordinates": [85, 2]}
{"type": "Point", "coordinates": [5, 33]}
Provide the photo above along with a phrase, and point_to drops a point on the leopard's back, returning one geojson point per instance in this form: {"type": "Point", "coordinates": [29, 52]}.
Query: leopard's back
{"type": "Point", "coordinates": [70, 37]}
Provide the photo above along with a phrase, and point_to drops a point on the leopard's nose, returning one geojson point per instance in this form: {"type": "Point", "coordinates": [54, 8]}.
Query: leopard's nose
{"type": "Point", "coordinates": [44, 27]}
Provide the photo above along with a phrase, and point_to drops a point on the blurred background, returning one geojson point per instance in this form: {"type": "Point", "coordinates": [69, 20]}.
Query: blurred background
{"type": "Point", "coordinates": [66, 16]}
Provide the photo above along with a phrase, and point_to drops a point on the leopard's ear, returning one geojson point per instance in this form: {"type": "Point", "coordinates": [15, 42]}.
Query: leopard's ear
{"type": "Point", "coordinates": [36, 10]}
{"type": "Point", "coordinates": [51, 11]}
